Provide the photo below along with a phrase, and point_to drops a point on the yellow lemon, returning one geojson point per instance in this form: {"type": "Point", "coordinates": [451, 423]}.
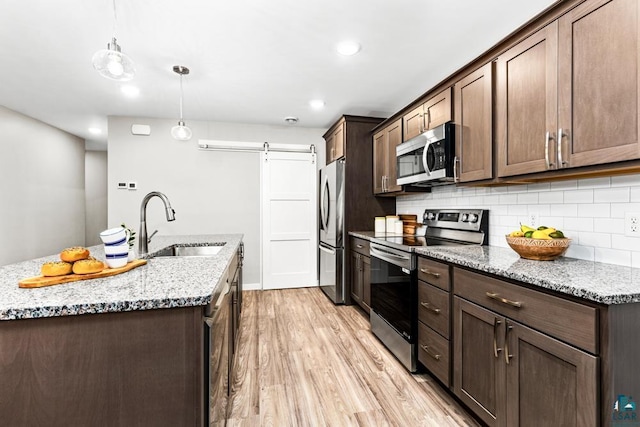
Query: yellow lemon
{"type": "Point", "coordinates": [516, 233]}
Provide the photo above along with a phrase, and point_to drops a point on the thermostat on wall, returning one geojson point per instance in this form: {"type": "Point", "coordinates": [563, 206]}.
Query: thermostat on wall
{"type": "Point", "coordinates": [141, 130]}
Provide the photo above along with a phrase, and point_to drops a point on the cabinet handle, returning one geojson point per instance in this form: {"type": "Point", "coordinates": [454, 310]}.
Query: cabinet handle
{"type": "Point", "coordinates": [359, 246]}
{"type": "Point", "coordinates": [430, 273]}
{"type": "Point", "coordinates": [428, 119]}
{"type": "Point", "coordinates": [498, 298]}
{"type": "Point", "coordinates": [430, 307]}
{"type": "Point", "coordinates": [548, 138]}
{"type": "Point", "coordinates": [496, 350]}
{"type": "Point", "coordinates": [507, 356]}
{"type": "Point", "coordinates": [421, 122]}
{"type": "Point", "coordinates": [384, 185]}
{"type": "Point", "coordinates": [456, 161]}
{"type": "Point", "coordinates": [561, 134]}
{"type": "Point", "coordinates": [430, 353]}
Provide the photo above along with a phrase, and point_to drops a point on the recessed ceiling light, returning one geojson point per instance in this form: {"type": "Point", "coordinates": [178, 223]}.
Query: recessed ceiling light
{"type": "Point", "coordinates": [348, 48]}
{"type": "Point", "coordinates": [95, 131]}
{"type": "Point", "coordinates": [130, 91]}
{"type": "Point", "coordinates": [291, 120]}
{"type": "Point", "coordinates": [316, 104]}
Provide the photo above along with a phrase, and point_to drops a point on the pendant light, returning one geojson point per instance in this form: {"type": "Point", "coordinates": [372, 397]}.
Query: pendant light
{"type": "Point", "coordinates": [111, 62]}
{"type": "Point", "coordinates": [180, 131]}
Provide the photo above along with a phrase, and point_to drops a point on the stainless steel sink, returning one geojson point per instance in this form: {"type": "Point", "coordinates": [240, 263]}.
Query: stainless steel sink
{"type": "Point", "coordinates": [189, 251]}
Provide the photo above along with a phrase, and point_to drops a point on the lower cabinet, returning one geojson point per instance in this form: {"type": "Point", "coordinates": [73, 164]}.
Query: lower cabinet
{"type": "Point", "coordinates": [360, 277]}
{"type": "Point", "coordinates": [512, 375]}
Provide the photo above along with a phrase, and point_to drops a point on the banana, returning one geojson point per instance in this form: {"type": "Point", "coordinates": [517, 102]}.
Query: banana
{"type": "Point", "coordinates": [524, 228]}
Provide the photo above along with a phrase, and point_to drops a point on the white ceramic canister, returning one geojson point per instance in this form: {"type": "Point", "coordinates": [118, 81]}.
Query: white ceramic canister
{"type": "Point", "coordinates": [379, 225]}
{"type": "Point", "coordinates": [391, 223]}
{"type": "Point", "coordinates": [397, 227]}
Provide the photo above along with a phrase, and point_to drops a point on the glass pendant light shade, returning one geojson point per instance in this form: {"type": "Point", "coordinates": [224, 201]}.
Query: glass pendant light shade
{"type": "Point", "coordinates": [181, 132]}
{"type": "Point", "coordinates": [113, 64]}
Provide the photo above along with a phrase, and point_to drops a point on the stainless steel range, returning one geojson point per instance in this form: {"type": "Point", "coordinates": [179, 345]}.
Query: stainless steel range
{"type": "Point", "coordinates": [394, 282]}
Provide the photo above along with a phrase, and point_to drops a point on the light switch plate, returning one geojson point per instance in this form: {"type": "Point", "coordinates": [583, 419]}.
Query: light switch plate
{"type": "Point", "coordinates": [132, 185]}
{"type": "Point", "coordinates": [122, 186]}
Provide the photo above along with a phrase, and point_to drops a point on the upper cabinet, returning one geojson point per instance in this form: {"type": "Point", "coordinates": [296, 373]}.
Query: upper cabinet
{"type": "Point", "coordinates": [335, 142]}
{"type": "Point", "coordinates": [432, 113]}
{"type": "Point", "coordinates": [384, 158]}
{"type": "Point", "coordinates": [474, 125]}
{"type": "Point", "coordinates": [568, 95]}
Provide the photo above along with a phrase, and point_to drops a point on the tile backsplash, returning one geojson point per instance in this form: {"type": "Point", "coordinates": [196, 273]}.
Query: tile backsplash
{"type": "Point", "coordinates": [589, 211]}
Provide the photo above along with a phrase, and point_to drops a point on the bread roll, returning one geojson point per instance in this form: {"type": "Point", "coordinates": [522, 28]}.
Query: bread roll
{"type": "Point", "coordinates": [88, 266]}
{"type": "Point", "coordinates": [56, 268]}
{"type": "Point", "coordinates": [74, 254]}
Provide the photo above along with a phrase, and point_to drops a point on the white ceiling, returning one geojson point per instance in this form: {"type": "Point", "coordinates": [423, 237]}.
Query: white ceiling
{"type": "Point", "coordinates": [251, 61]}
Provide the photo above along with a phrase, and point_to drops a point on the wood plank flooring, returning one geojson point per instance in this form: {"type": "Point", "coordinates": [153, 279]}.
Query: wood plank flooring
{"type": "Point", "coordinates": [302, 361]}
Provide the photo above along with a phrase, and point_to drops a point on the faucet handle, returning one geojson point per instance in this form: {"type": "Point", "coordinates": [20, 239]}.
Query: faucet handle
{"type": "Point", "coordinates": [152, 234]}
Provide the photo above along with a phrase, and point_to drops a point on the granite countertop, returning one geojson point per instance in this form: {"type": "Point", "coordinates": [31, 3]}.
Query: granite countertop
{"type": "Point", "coordinates": [164, 282]}
{"type": "Point", "coordinates": [594, 281]}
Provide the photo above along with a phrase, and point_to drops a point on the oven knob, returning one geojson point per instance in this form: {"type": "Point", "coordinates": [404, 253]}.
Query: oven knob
{"type": "Point", "coordinates": [473, 217]}
{"type": "Point", "coordinates": [465, 217]}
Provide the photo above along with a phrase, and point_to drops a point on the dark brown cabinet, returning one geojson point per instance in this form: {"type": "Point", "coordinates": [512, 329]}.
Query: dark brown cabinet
{"type": "Point", "coordinates": [434, 301]}
{"type": "Point", "coordinates": [360, 278]}
{"type": "Point", "coordinates": [568, 95]}
{"type": "Point", "coordinates": [432, 113]}
{"type": "Point", "coordinates": [385, 142]}
{"type": "Point", "coordinates": [511, 374]}
{"type": "Point", "coordinates": [474, 125]}
{"type": "Point", "coordinates": [335, 142]}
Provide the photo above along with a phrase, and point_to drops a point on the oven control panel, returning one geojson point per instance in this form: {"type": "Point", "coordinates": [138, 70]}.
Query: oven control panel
{"type": "Point", "coordinates": [456, 219]}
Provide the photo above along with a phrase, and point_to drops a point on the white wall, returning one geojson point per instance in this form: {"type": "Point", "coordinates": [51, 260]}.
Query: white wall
{"type": "Point", "coordinates": [212, 192]}
{"type": "Point", "coordinates": [589, 211]}
{"type": "Point", "coordinates": [95, 167]}
{"type": "Point", "coordinates": [42, 194]}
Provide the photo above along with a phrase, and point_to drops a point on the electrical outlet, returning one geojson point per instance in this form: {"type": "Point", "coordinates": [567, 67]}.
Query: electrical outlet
{"type": "Point", "coordinates": [532, 219]}
{"type": "Point", "coordinates": [632, 224]}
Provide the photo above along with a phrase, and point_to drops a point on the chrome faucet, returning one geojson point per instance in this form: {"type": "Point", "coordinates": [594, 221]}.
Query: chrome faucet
{"type": "Point", "coordinates": [143, 247]}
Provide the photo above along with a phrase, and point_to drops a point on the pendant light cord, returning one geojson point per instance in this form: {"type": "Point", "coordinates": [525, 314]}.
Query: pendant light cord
{"type": "Point", "coordinates": [181, 97]}
{"type": "Point", "coordinates": [115, 19]}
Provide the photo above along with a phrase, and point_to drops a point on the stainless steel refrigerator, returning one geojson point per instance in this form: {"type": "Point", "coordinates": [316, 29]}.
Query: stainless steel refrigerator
{"type": "Point", "coordinates": [332, 234]}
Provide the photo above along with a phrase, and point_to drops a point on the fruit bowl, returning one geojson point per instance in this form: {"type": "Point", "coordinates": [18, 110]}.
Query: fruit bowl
{"type": "Point", "coordinates": [539, 249]}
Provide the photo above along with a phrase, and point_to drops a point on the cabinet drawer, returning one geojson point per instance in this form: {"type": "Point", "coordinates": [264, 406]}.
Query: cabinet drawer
{"type": "Point", "coordinates": [433, 353]}
{"type": "Point", "coordinates": [360, 245]}
{"type": "Point", "coordinates": [433, 308]}
{"type": "Point", "coordinates": [434, 272]}
{"type": "Point", "coordinates": [568, 321]}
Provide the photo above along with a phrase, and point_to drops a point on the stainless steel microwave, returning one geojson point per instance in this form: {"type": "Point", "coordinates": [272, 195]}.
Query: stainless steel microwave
{"type": "Point", "coordinates": [427, 159]}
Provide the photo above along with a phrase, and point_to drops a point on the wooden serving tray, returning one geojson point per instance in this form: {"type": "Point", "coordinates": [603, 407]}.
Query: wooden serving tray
{"type": "Point", "coordinates": [42, 281]}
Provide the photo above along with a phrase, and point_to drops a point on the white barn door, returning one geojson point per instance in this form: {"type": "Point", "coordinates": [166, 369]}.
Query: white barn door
{"type": "Point", "coordinates": [289, 234]}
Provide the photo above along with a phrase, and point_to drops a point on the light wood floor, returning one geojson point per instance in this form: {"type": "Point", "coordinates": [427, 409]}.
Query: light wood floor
{"type": "Point", "coordinates": [302, 361]}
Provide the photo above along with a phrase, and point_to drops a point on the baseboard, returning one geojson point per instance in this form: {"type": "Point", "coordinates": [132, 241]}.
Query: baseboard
{"type": "Point", "coordinates": [258, 286]}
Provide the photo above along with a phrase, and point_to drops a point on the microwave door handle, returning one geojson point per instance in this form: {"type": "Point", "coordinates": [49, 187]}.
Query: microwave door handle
{"type": "Point", "coordinates": [424, 159]}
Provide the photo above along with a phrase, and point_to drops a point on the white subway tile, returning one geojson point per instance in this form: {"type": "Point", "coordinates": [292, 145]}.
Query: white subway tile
{"type": "Point", "coordinates": [578, 224]}
{"type": "Point", "coordinates": [608, 195]}
{"type": "Point", "coordinates": [477, 201]}
{"type": "Point", "coordinates": [508, 199]}
{"type": "Point", "coordinates": [600, 240]}
{"type": "Point", "coordinates": [578, 196]}
{"type": "Point", "coordinates": [603, 182]}
{"type": "Point", "coordinates": [499, 190]}
{"type": "Point", "coordinates": [508, 221]}
{"type": "Point", "coordinates": [609, 225]}
{"type": "Point", "coordinates": [619, 209]}
{"type": "Point", "coordinates": [580, 252]}
{"type": "Point", "coordinates": [596, 210]}
{"type": "Point", "coordinates": [483, 190]}
{"type": "Point", "coordinates": [619, 241]}
{"type": "Point", "coordinates": [541, 210]}
{"type": "Point", "coordinates": [625, 180]}
{"type": "Point", "coordinates": [498, 210]}
{"type": "Point", "coordinates": [517, 188]}
{"type": "Point", "coordinates": [491, 199]}
{"type": "Point", "coordinates": [634, 194]}
{"type": "Point", "coordinates": [551, 197]}
{"type": "Point", "coordinates": [567, 209]}
{"type": "Point", "coordinates": [635, 259]}
{"type": "Point", "coordinates": [527, 198]}
{"type": "Point", "coordinates": [538, 186]}
{"type": "Point", "coordinates": [563, 185]}
{"type": "Point", "coordinates": [520, 210]}
{"type": "Point", "coordinates": [613, 256]}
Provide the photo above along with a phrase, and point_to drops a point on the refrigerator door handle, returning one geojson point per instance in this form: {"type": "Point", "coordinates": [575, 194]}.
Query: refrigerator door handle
{"type": "Point", "coordinates": [327, 250]}
{"type": "Point", "coordinates": [324, 216]}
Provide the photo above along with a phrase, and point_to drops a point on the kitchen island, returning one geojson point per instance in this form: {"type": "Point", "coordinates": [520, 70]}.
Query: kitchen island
{"type": "Point", "coordinates": [122, 350]}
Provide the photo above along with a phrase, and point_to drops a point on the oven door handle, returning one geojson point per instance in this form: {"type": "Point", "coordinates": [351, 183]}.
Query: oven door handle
{"type": "Point", "coordinates": [398, 260]}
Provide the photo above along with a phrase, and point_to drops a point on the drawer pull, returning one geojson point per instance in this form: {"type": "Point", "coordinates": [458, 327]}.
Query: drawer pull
{"type": "Point", "coordinates": [430, 307]}
{"type": "Point", "coordinates": [430, 353]}
{"type": "Point", "coordinates": [429, 272]}
{"type": "Point", "coordinates": [498, 298]}
{"type": "Point", "coordinates": [359, 246]}
{"type": "Point", "coordinates": [496, 323]}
